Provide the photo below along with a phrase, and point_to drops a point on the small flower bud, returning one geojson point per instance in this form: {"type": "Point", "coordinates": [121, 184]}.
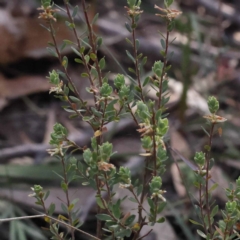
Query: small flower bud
{"type": "Point", "coordinates": [213, 104]}
{"type": "Point", "coordinates": [199, 158]}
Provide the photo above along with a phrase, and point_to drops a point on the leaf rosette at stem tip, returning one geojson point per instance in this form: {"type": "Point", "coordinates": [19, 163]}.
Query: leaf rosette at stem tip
{"type": "Point", "coordinates": [155, 188]}
{"type": "Point", "coordinates": [143, 111]}
{"type": "Point", "coordinates": [106, 90]}
{"type": "Point", "coordinates": [199, 158]}
{"type": "Point", "coordinates": [231, 207]}
{"type": "Point", "coordinates": [59, 134]}
{"type": "Point", "coordinates": [162, 126]}
{"type": "Point", "coordinates": [119, 81]}
{"type": "Point", "coordinates": [124, 177]}
{"type": "Point", "coordinates": [213, 106]}
{"type": "Point", "coordinates": [157, 68]}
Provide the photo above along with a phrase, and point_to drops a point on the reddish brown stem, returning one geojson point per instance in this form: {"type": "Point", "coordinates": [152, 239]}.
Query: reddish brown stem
{"type": "Point", "coordinates": [92, 41]}
{"type": "Point", "coordinates": [60, 60]}
{"type": "Point", "coordinates": [207, 178]}
{"type": "Point", "coordinates": [164, 68]}
{"type": "Point", "coordinates": [201, 207]}
{"type": "Point", "coordinates": [136, 59]}
{"type": "Point", "coordinates": [67, 197]}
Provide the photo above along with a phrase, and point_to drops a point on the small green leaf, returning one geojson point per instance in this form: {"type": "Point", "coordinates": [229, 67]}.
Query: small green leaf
{"type": "Point", "coordinates": [93, 56]}
{"type": "Point", "coordinates": [65, 62]}
{"type": "Point", "coordinates": [82, 49]}
{"type": "Point", "coordinates": [102, 63]}
{"type": "Point", "coordinates": [132, 199]}
{"type": "Point", "coordinates": [161, 220]}
{"type": "Point", "coordinates": [64, 186]}
{"type": "Point", "coordinates": [195, 223]}
{"type": "Point", "coordinates": [74, 99]}
{"type": "Point", "coordinates": [214, 211]}
{"type": "Point", "coordinates": [130, 56]}
{"type": "Point", "coordinates": [68, 42]}
{"type": "Point", "coordinates": [130, 220]}
{"type": "Point", "coordinates": [137, 44]}
{"type": "Point", "coordinates": [52, 52]}
{"type": "Point", "coordinates": [123, 233]}
{"type": "Point", "coordinates": [76, 51]}
{"type": "Point", "coordinates": [48, 29]}
{"type": "Point", "coordinates": [87, 58]}
{"type": "Point", "coordinates": [161, 206]}
{"type": "Point", "coordinates": [128, 27]}
{"type": "Point", "coordinates": [99, 42]}
{"type": "Point", "coordinates": [99, 202]}
{"type": "Point", "coordinates": [137, 88]}
{"type": "Point", "coordinates": [84, 75]}
{"type": "Point", "coordinates": [146, 81]}
{"type": "Point", "coordinates": [131, 70]}
{"type": "Point", "coordinates": [51, 209]}
{"type": "Point", "coordinates": [163, 43]}
{"type": "Point", "coordinates": [64, 208]}
{"type": "Point", "coordinates": [205, 131]}
{"type": "Point", "coordinates": [63, 46]}
{"type": "Point", "coordinates": [144, 60]}
{"type": "Point", "coordinates": [70, 25]}
{"type": "Point", "coordinates": [168, 3]}
{"type": "Point", "coordinates": [71, 87]}
{"type": "Point", "coordinates": [104, 217]}
{"type": "Point", "coordinates": [162, 52]}
{"type": "Point", "coordinates": [171, 25]}
{"type": "Point", "coordinates": [213, 187]}
{"type": "Point", "coordinates": [139, 56]}
{"type": "Point", "coordinates": [150, 203]}
{"type": "Point", "coordinates": [128, 41]}
{"type": "Point", "coordinates": [201, 234]}
{"type": "Point", "coordinates": [87, 118]}
{"type": "Point", "coordinates": [95, 19]}
{"type": "Point", "coordinates": [85, 183]}
{"type": "Point", "coordinates": [75, 11]}
{"type": "Point", "coordinates": [46, 195]}
{"type": "Point", "coordinates": [116, 210]}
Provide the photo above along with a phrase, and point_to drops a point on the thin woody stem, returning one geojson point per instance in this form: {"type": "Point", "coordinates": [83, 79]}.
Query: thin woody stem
{"type": "Point", "coordinates": [136, 59]}
{"type": "Point", "coordinates": [92, 41]}
{"type": "Point", "coordinates": [164, 69]}
{"type": "Point", "coordinates": [207, 178]}
{"type": "Point", "coordinates": [79, 47]}
{"type": "Point", "coordinates": [60, 60]}
{"type": "Point", "coordinates": [67, 197]}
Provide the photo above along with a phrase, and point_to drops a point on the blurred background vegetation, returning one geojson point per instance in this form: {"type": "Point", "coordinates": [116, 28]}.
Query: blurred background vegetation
{"type": "Point", "coordinates": [205, 61]}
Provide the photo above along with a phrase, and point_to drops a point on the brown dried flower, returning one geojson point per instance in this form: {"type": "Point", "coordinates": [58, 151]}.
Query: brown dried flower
{"type": "Point", "coordinates": [104, 166]}
{"type": "Point", "coordinates": [47, 13]}
{"type": "Point", "coordinates": [145, 130]}
{"type": "Point", "coordinates": [134, 11]}
{"type": "Point", "coordinates": [168, 13]}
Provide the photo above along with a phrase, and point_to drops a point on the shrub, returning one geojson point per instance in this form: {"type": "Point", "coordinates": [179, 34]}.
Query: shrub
{"type": "Point", "coordinates": [112, 103]}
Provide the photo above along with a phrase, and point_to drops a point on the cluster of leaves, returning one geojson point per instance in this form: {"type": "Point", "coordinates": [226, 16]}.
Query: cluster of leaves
{"type": "Point", "coordinates": [111, 103]}
{"type": "Point", "coordinates": [207, 209]}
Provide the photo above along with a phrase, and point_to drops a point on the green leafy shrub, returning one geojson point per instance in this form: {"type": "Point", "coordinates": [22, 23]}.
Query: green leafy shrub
{"type": "Point", "coordinates": [111, 103]}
